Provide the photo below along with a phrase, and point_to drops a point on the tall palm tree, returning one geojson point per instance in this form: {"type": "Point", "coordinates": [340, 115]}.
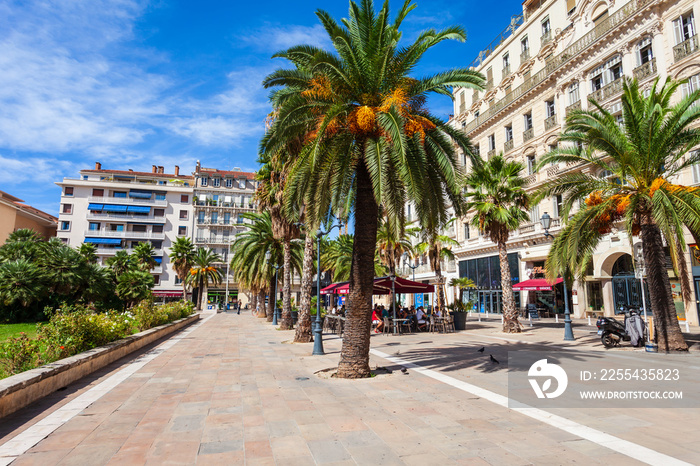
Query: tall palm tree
{"type": "Point", "coordinates": [644, 154]}
{"type": "Point", "coordinates": [374, 142]}
{"type": "Point", "coordinates": [462, 283]}
{"type": "Point", "coordinates": [496, 193]}
{"type": "Point", "coordinates": [393, 240]}
{"type": "Point", "coordinates": [248, 260]}
{"type": "Point", "coordinates": [438, 247]}
{"type": "Point", "coordinates": [203, 273]}
{"type": "Point", "coordinates": [181, 258]}
{"type": "Point", "coordinates": [143, 256]}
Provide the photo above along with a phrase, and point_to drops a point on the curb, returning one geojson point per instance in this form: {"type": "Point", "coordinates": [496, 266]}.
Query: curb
{"type": "Point", "coordinates": [22, 389]}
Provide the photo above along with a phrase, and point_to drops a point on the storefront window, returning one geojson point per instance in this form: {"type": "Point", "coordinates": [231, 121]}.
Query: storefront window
{"type": "Point", "coordinates": [595, 295]}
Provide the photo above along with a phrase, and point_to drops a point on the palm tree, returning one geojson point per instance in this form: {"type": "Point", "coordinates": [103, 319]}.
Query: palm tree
{"type": "Point", "coordinates": [134, 286]}
{"type": "Point", "coordinates": [120, 262]}
{"type": "Point", "coordinates": [496, 194]}
{"type": "Point", "coordinates": [181, 258]}
{"type": "Point", "coordinates": [203, 273]}
{"type": "Point", "coordinates": [248, 256]}
{"type": "Point", "coordinates": [303, 331]}
{"type": "Point", "coordinates": [373, 143]}
{"type": "Point", "coordinates": [337, 258]}
{"type": "Point", "coordinates": [143, 256]}
{"type": "Point", "coordinates": [89, 252]}
{"type": "Point", "coordinates": [393, 240]}
{"type": "Point", "coordinates": [462, 283]}
{"type": "Point", "coordinates": [643, 154]}
{"type": "Point", "coordinates": [438, 247]}
{"type": "Point", "coordinates": [64, 267]}
{"type": "Point", "coordinates": [21, 283]}
{"type": "Point", "coordinates": [21, 244]}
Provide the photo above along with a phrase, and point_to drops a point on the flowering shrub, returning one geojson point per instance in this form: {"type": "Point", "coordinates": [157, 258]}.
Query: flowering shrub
{"type": "Point", "coordinates": [74, 329]}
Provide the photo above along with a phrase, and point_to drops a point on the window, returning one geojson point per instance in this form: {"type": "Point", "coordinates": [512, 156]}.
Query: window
{"type": "Point", "coordinates": [506, 64]}
{"type": "Point", "coordinates": [229, 183]}
{"type": "Point", "coordinates": [184, 198]}
{"type": "Point", "coordinates": [183, 215]}
{"type": "Point", "coordinates": [535, 214]}
{"type": "Point", "coordinates": [65, 226]}
{"type": "Point", "coordinates": [119, 194]}
{"type": "Point", "coordinates": [241, 184]}
{"type": "Point", "coordinates": [600, 18]}
{"type": "Point", "coordinates": [139, 228]}
{"type": "Point", "coordinates": [156, 279]}
{"type": "Point", "coordinates": [466, 231]}
{"type": "Point", "coordinates": [181, 231]}
{"type": "Point", "coordinates": [94, 226]}
{"type": "Point", "coordinates": [546, 31]}
{"type": "Point", "coordinates": [160, 196]}
{"type": "Point", "coordinates": [476, 149]}
{"type": "Point", "coordinates": [531, 162]}
{"type": "Point", "coordinates": [67, 208]}
{"type": "Point", "coordinates": [162, 182]}
{"type": "Point", "coordinates": [68, 191]}
{"type": "Point", "coordinates": [214, 217]}
{"type": "Point", "coordinates": [573, 93]}
{"type": "Point", "coordinates": [606, 73]}
{"type": "Point", "coordinates": [200, 216]}
{"type": "Point", "coordinates": [227, 218]}
{"type": "Point", "coordinates": [549, 106]}
{"type": "Point", "coordinates": [177, 280]}
{"type": "Point", "coordinates": [408, 213]}
{"type": "Point", "coordinates": [527, 121]}
{"type": "Point", "coordinates": [462, 102]}
{"type": "Point", "coordinates": [475, 96]}
{"type": "Point", "coordinates": [64, 240]}
{"type": "Point", "coordinates": [557, 204]}
{"type": "Point", "coordinates": [158, 212]}
{"type": "Point", "coordinates": [524, 46]}
{"type": "Point", "coordinates": [684, 27]}
{"type": "Point", "coordinates": [204, 181]}
{"type": "Point", "coordinates": [98, 192]}
{"type": "Point", "coordinates": [644, 51]}
{"type": "Point", "coordinates": [509, 132]}
{"type": "Point", "coordinates": [116, 227]}
{"type": "Point", "coordinates": [570, 6]}
{"type": "Point", "coordinates": [240, 219]}
{"type": "Point", "coordinates": [691, 86]}
{"type": "Point", "coordinates": [157, 229]}
{"type": "Point", "coordinates": [492, 142]}
{"type": "Point", "coordinates": [476, 113]}
{"type": "Point", "coordinates": [216, 182]}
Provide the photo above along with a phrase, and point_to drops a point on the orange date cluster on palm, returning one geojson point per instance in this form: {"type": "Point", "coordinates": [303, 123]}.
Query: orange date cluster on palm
{"type": "Point", "coordinates": [616, 206]}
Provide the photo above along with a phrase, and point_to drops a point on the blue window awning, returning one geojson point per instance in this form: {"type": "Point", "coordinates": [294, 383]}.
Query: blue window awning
{"type": "Point", "coordinates": [95, 207]}
{"type": "Point", "coordinates": [114, 208]}
{"type": "Point", "coordinates": [138, 209]}
{"type": "Point", "coordinates": [140, 194]}
{"type": "Point", "coordinates": [114, 241]}
{"type": "Point", "coordinates": [158, 259]}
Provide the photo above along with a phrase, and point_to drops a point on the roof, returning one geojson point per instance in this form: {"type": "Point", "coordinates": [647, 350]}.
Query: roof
{"type": "Point", "coordinates": [19, 204]}
{"type": "Point", "coordinates": [133, 173]}
{"type": "Point", "coordinates": [235, 174]}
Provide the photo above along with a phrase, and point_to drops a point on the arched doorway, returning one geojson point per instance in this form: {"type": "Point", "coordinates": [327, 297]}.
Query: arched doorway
{"type": "Point", "coordinates": [626, 288]}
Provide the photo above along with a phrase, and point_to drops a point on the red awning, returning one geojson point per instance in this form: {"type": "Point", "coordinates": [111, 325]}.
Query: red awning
{"type": "Point", "coordinates": [168, 293]}
{"type": "Point", "coordinates": [382, 285]}
{"type": "Point", "coordinates": [536, 284]}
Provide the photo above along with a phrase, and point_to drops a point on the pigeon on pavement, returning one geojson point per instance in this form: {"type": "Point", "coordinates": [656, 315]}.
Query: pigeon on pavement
{"type": "Point", "coordinates": [493, 359]}
{"type": "Point", "coordinates": [481, 350]}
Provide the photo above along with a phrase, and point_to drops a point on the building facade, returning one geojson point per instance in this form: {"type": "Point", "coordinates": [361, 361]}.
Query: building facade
{"type": "Point", "coordinates": [117, 209]}
{"type": "Point", "coordinates": [16, 215]}
{"type": "Point", "coordinates": [551, 59]}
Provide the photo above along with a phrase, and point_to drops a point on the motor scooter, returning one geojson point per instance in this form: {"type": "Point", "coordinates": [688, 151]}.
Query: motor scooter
{"type": "Point", "coordinates": [612, 331]}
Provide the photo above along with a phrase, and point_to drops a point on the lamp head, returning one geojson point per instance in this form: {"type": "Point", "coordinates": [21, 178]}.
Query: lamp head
{"type": "Point", "coordinates": [267, 256]}
{"type": "Point", "coordinates": [546, 221]}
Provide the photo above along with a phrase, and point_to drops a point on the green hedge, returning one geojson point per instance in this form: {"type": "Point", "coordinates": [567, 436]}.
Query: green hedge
{"type": "Point", "coordinates": [74, 329]}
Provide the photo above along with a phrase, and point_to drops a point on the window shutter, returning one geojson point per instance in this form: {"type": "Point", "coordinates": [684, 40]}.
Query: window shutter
{"type": "Point", "coordinates": [570, 4]}
{"type": "Point", "coordinates": [678, 30]}
{"type": "Point", "coordinates": [696, 173]}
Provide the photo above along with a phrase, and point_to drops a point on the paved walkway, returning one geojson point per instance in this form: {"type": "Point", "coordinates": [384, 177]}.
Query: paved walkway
{"type": "Point", "coordinates": [234, 391]}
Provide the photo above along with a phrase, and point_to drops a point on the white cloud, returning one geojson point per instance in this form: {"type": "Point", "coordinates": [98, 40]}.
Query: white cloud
{"type": "Point", "coordinates": [276, 38]}
{"type": "Point", "coordinates": [16, 171]}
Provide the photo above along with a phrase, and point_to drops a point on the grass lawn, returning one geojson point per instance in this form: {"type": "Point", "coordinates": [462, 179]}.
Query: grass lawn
{"type": "Point", "coordinates": [13, 330]}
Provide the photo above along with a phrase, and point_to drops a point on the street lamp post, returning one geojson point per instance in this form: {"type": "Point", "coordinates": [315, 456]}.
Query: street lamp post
{"type": "Point", "coordinates": [546, 221]}
{"type": "Point", "coordinates": [318, 328]}
{"type": "Point", "coordinates": [274, 302]}
{"type": "Point", "coordinates": [407, 262]}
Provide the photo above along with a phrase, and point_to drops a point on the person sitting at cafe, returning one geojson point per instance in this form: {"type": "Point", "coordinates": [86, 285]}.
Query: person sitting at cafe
{"type": "Point", "coordinates": [377, 320]}
{"type": "Point", "coordinates": [420, 319]}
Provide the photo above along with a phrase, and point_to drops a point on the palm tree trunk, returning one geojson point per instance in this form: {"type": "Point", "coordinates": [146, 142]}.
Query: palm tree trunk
{"type": "Point", "coordinates": [303, 333]}
{"type": "Point", "coordinates": [272, 302]}
{"type": "Point", "coordinates": [354, 355]}
{"type": "Point", "coordinates": [666, 326]}
{"type": "Point", "coordinates": [184, 291]}
{"type": "Point", "coordinates": [287, 323]}
{"type": "Point", "coordinates": [261, 304]}
{"type": "Point", "coordinates": [199, 296]}
{"type": "Point", "coordinates": [440, 297]}
{"type": "Point", "coordinates": [510, 314]}
{"type": "Point", "coordinates": [204, 295]}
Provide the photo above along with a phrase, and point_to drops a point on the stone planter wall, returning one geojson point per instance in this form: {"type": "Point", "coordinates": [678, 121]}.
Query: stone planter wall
{"type": "Point", "coordinates": [22, 389]}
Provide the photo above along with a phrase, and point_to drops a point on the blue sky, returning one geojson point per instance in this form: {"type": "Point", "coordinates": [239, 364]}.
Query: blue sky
{"type": "Point", "coordinates": [134, 83]}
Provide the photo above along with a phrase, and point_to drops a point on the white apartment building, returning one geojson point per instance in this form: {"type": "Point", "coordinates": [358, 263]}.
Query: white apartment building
{"type": "Point", "coordinates": [550, 60]}
{"type": "Point", "coordinates": [220, 197]}
{"type": "Point", "coordinates": [116, 210]}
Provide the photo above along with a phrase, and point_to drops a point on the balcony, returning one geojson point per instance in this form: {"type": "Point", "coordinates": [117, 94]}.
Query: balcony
{"type": "Point", "coordinates": [531, 179]}
{"type": "Point", "coordinates": [572, 107]}
{"type": "Point", "coordinates": [491, 153]}
{"type": "Point", "coordinates": [508, 146]}
{"type": "Point", "coordinates": [525, 56]}
{"type": "Point", "coordinates": [685, 48]}
{"type": "Point", "coordinates": [214, 240]}
{"type": "Point", "coordinates": [100, 216]}
{"type": "Point", "coordinates": [111, 251]}
{"type": "Point", "coordinates": [528, 134]}
{"type": "Point", "coordinates": [607, 91]}
{"type": "Point", "coordinates": [126, 200]}
{"type": "Point", "coordinates": [546, 37]}
{"type": "Point", "coordinates": [550, 123]}
{"type": "Point", "coordinates": [124, 234]}
{"type": "Point", "coordinates": [646, 70]}
{"type": "Point", "coordinates": [489, 85]}
{"type": "Point", "coordinates": [505, 72]}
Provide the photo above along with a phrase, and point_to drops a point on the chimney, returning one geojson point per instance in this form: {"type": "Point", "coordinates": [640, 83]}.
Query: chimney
{"type": "Point", "coordinates": [198, 167]}
{"type": "Point", "coordinates": [177, 170]}
{"type": "Point", "coordinates": [161, 169]}
{"type": "Point", "coordinates": [154, 169]}
{"type": "Point", "coordinates": [131, 169]}
{"type": "Point", "coordinates": [98, 166]}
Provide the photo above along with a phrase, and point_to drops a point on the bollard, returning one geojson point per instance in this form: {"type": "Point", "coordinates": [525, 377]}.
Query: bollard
{"type": "Point", "coordinates": [529, 317]}
{"type": "Point", "coordinates": [589, 320]}
{"type": "Point", "coordinates": [501, 318]}
{"type": "Point", "coordinates": [556, 318]}
{"type": "Point", "coordinates": [479, 314]}
{"type": "Point", "coordinates": [687, 326]}
{"type": "Point", "coordinates": [487, 314]}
